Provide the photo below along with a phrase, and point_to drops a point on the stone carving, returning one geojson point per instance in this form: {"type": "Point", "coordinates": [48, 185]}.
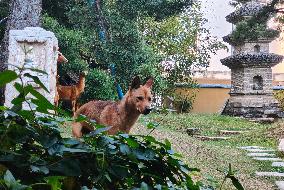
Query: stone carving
{"type": "Point", "coordinates": [38, 48]}
{"type": "Point", "coordinates": [251, 73]}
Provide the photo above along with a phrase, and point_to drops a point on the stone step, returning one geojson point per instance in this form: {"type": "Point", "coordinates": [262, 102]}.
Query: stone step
{"type": "Point", "coordinates": [278, 164]}
{"type": "Point", "coordinates": [267, 159]}
{"type": "Point", "coordinates": [261, 154]}
{"type": "Point", "coordinates": [228, 132]}
{"type": "Point", "coordinates": [280, 185]}
{"type": "Point", "coordinates": [208, 138]}
{"type": "Point", "coordinates": [269, 174]}
{"type": "Point", "coordinates": [193, 131]}
{"type": "Point", "coordinates": [267, 120]}
{"type": "Point", "coordinates": [251, 147]}
{"type": "Point", "coordinates": [260, 150]}
{"type": "Point", "coordinates": [281, 145]}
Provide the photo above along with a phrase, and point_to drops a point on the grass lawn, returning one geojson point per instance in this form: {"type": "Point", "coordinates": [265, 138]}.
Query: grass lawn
{"type": "Point", "coordinates": [213, 157]}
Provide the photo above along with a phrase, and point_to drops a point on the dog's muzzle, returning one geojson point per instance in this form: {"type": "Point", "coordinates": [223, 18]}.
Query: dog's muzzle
{"type": "Point", "coordinates": [147, 111]}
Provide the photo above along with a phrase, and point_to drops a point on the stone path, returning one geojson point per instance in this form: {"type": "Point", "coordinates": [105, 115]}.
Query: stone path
{"type": "Point", "coordinates": [224, 134]}
{"type": "Point", "coordinates": [264, 154]}
{"type": "Point", "coordinates": [278, 164]}
{"type": "Point", "coordinates": [259, 150]}
{"type": "Point", "coordinates": [261, 154]}
{"type": "Point", "coordinates": [270, 174]}
{"type": "Point", "coordinates": [228, 132]}
{"type": "Point", "coordinates": [280, 185]}
{"type": "Point", "coordinates": [267, 159]}
{"type": "Point", "coordinates": [206, 138]}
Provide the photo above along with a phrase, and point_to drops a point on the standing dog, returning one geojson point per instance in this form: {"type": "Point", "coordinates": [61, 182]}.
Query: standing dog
{"type": "Point", "coordinates": [122, 115]}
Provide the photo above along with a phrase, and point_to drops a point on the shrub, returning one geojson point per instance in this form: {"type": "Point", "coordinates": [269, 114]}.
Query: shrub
{"type": "Point", "coordinates": [34, 155]}
{"type": "Point", "coordinates": [99, 86]}
{"type": "Point", "coordinates": [71, 43]}
{"type": "Point", "coordinates": [279, 95]}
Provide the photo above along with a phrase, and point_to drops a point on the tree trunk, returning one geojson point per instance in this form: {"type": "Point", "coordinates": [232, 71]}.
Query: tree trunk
{"type": "Point", "coordinates": [23, 13]}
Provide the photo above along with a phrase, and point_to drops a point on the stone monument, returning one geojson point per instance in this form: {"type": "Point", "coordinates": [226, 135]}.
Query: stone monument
{"type": "Point", "coordinates": [251, 92]}
{"type": "Point", "coordinates": [39, 47]}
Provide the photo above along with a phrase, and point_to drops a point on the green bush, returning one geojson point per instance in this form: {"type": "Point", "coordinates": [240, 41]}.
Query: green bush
{"type": "Point", "coordinates": [71, 44]}
{"type": "Point", "coordinates": [34, 155]}
{"type": "Point", "coordinates": [279, 95]}
{"type": "Point", "coordinates": [247, 31]}
{"type": "Point", "coordinates": [34, 152]}
{"type": "Point", "coordinates": [99, 86]}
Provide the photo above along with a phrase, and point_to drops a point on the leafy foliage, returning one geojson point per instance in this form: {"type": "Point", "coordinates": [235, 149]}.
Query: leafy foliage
{"type": "Point", "coordinates": [279, 95]}
{"type": "Point", "coordinates": [71, 43]}
{"type": "Point", "coordinates": [99, 85]}
{"type": "Point", "coordinates": [176, 39]}
{"type": "Point", "coordinates": [246, 31]}
{"type": "Point", "coordinates": [33, 151]}
{"type": "Point", "coordinates": [255, 27]}
{"type": "Point", "coordinates": [127, 35]}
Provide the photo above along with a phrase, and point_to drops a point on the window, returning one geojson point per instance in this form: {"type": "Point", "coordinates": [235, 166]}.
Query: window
{"type": "Point", "coordinates": [257, 83]}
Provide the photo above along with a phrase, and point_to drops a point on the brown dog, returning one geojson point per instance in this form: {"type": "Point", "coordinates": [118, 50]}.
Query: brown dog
{"type": "Point", "coordinates": [122, 115]}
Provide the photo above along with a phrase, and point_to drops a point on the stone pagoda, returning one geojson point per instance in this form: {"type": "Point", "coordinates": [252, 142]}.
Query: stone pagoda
{"type": "Point", "coordinates": [251, 94]}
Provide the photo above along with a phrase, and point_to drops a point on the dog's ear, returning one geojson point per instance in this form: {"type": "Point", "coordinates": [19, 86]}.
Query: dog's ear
{"type": "Point", "coordinates": [135, 83]}
{"type": "Point", "coordinates": [149, 82]}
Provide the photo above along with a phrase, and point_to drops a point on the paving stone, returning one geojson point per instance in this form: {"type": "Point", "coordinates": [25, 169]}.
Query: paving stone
{"type": "Point", "coordinates": [263, 120]}
{"type": "Point", "coordinates": [280, 185]}
{"type": "Point", "coordinates": [228, 132]}
{"type": "Point", "coordinates": [193, 131]}
{"type": "Point", "coordinates": [260, 150]}
{"type": "Point", "coordinates": [267, 159]}
{"type": "Point", "coordinates": [261, 154]}
{"type": "Point", "coordinates": [281, 145]}
{"type": "Point", "coordinates": [278, 164]}
{"type": "Point", "coordinates": [272, 174]}
{"type": "Point", "coordinates": [208, 138]}
{"type": "Point", "coordinates": [251, 147]}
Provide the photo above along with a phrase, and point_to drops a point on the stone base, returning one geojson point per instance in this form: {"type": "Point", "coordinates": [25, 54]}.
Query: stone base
{"type": "Point", "coordinates": [253, 106]}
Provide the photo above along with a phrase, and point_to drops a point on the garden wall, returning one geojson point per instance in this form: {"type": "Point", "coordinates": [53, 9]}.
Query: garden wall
{"type": "Point", "coordinates": [210, 97]}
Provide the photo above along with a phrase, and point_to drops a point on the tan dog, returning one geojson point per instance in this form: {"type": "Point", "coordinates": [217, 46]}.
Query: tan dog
{"type": "Point", "coordinates": [71, 93]}
{"type": "Point", "coordinates": [122, 115]}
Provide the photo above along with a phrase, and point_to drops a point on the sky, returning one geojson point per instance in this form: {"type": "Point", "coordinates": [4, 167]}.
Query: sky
{"type": "Point", "coordinates": [215, 12]}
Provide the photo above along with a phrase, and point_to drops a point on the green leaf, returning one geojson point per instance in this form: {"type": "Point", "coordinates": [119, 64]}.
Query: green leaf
{"type": "Point", "coordinates": [40, 169]}
{"type": "Point", "coordinates": [132, 143]}
{"type": "Point", "coordinates": [18, 100]}
{"type": "Point", "coordinates": [11, 182]}
{"type": "Point", "coordinates": [36, 80]}
{"type": "Point", "coordinates": [98, 131]}
{"type": "Point", "coordinates": [68, 167]}
{"type": "Point", "coordinates": [3, 108]}
{"type": "Point", "coordinates": [55, 182]}
{"type": "Point", "coordinates": [41, 101]}
{"type": "Point", "coordinates": [7, 76]}
{"type": "Point", "coordinates": [145, 186]}
{"type": "Point", "coordinates": [91, 2]}
{"type": "Point", "coordinates": [152, 125]}
{"type": "Point", "coordinates": [236, 183]}
{"type": "Point", "coordinates": [120, 171]}
{"type": "Point", "coordinates": [9, 178]}
{"type": "Point", "coordinates": [107, 176]}
{"type": "Point", "coordinates": [19, 87]}
{"type": "Point", "coordinates": [124, 149]}
{"type": "Point", "coordinates": [150, 139]}
{"type": "Point", "coordinates": [168, 145]}
{"type": "Point", "coordinates": [144, 154]}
